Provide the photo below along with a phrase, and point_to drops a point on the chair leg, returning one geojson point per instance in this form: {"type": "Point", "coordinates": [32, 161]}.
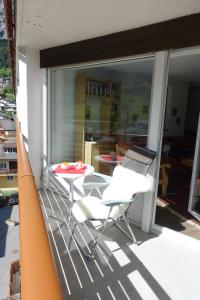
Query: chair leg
{"type": "Point", "coordinates": [129, 228]}
{"type": "Point", "coordinates": [131, 236]}
{"type": "Point", "coordinates": [99, 234]}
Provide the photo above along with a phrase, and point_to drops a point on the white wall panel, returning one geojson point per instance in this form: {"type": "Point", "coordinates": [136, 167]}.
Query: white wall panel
{"type": "Point", "coordinates": [29, 106]}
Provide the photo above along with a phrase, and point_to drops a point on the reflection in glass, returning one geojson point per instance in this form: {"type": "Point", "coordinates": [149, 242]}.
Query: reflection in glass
{"type": "Point", "coordinates": [97, 108]}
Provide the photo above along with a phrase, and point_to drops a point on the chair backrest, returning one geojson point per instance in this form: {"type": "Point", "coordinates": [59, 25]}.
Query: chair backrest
{"type": "Point", "coordinates": [139, 159]}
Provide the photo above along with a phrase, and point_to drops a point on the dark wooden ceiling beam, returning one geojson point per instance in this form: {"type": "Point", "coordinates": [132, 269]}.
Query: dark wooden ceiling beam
{"type": "Point", "coordinates": [177, 33]}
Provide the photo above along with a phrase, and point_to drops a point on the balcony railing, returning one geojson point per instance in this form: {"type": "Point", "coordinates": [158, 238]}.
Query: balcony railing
{"type": "Point", "coordinates": [39, 279]}
{"type": "Point", "coordinates": [6, 172]}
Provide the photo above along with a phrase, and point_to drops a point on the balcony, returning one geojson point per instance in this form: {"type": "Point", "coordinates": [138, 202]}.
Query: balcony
{"type": "Point", "coordinates": [156, 269]}
{"type": "Point", "coordinates": [160, 267]}
{"type": "Point", "coordinates": [116, 272]}
{"type": "Point", "coordinates": [4, 171]}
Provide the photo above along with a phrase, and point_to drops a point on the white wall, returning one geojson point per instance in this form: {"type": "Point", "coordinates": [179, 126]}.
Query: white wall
{"type": "Point", "coordinates": [29, 106]}
{"type": "Point", "coordinates": [21, 99]}
{"type": "Point", "coordinates": [193, 109]}
{"type": "Point", "coordinates": [176, 99]}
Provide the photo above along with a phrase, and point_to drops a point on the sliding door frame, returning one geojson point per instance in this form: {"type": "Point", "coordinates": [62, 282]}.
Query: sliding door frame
{"type": "Point", "coordinates": [177, 53]}
{"type": "Point", "coordinates": [156, 124]}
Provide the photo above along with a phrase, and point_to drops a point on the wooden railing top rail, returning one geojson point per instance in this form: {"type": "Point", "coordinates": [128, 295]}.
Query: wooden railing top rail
{"type": "Point", "coordinates": [39, 279]}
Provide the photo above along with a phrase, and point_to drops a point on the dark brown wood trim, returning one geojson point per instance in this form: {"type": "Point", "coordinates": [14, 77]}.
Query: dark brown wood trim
{"type": "Point", "coordinates": [176, 33]}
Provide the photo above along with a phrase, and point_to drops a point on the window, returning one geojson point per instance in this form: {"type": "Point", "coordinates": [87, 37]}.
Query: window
{"type": "Point", "coordinates": [9, 178]}
{"type": "Point", "coordinates": [13, 165]}
{"type": "Point", "coordinates": [10, 150]}
{"type": "Point", "coordinates": [2, 165]}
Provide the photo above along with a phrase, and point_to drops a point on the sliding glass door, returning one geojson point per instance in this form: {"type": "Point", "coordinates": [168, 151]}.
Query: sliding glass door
{"type": "Point", "coordinates": [99, 110]}
{"type": "Point", "coordinates": [178, 182]}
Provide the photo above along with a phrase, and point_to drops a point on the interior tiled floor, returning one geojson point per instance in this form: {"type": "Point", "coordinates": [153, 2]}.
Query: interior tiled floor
{"type": "Point", "coordinates": [120, 269]}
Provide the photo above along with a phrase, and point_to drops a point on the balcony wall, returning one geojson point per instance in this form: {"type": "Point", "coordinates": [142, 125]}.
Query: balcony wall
{"type": "Point", "coordinates": [39, 278]}
{"type": "Point", "coordinates": [29, 106]}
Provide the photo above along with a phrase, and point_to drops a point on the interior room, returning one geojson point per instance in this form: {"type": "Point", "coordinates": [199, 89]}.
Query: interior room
{"type": "Point", "coordinates": [178, 193]}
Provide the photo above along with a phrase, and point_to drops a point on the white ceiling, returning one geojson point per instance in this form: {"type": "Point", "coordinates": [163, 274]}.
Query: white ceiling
{"type": "Point", "coordinates": [47, 23]}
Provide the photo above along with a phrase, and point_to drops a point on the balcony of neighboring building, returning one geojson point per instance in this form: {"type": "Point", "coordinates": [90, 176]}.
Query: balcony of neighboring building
{"type": "Point", "coordinates": [8, 151]}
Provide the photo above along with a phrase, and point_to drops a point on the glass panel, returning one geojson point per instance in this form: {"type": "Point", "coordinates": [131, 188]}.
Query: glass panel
{"type": "Point", "coordinates": [98, 109]}
{"type": "Point", "coordinates": [178, 143]}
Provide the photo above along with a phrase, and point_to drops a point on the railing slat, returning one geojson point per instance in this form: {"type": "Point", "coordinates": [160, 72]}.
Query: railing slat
{"type": "Point", "coordinates": [39, 279]}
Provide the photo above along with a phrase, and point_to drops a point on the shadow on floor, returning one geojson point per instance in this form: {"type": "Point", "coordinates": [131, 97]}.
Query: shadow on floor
{"type": "Point", "coordinates": [167, 218]}
{"type": "Point", "coordinates": [111, 283]}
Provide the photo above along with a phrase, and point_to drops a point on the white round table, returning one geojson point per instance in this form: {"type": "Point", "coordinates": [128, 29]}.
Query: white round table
{"type": "Point", "coordinates": [66, 178]}
{"type": "Point", "coordinates": [67, 172]}
{"type": "Point", "coordinates": [108, 159]}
